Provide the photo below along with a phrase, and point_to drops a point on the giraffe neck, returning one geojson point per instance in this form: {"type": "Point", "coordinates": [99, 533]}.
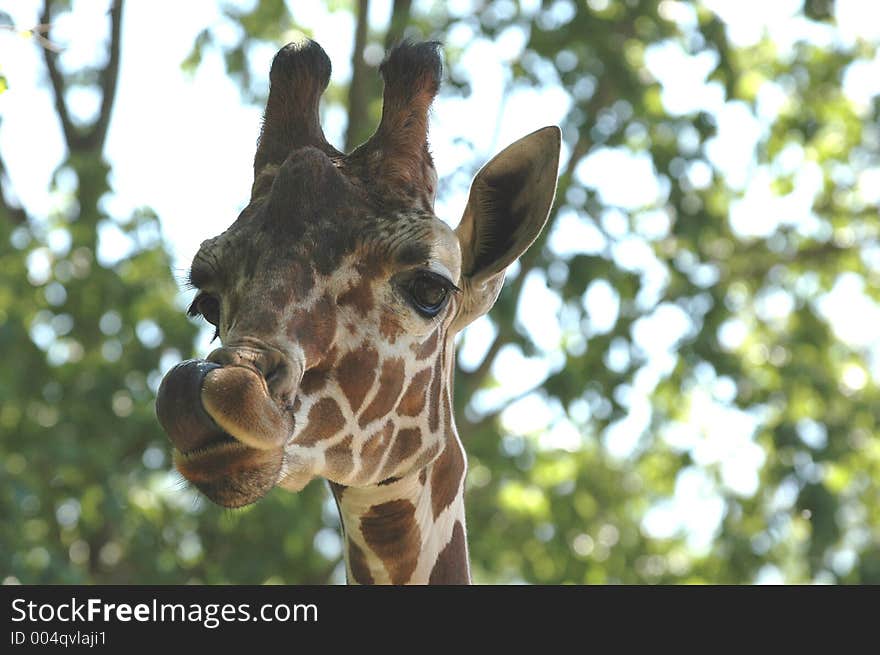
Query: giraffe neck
{"type": "Point", "coordinates": [409, 530]}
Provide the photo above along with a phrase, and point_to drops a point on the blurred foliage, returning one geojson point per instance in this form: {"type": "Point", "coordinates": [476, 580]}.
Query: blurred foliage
{"type": "Point", "coordinates": [85, 484]}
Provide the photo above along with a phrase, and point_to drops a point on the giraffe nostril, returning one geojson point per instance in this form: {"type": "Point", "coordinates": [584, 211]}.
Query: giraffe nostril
{"type": "Point", "coordinates": [246, 356]}
{"type": "Point", "coordinates": [279, 380]}
{"type": "Point", "coordinates": [272, 366]}
{"type": "Point", "coordinates": [223, 356]}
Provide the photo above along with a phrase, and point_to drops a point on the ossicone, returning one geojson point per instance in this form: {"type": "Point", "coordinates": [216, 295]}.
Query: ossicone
{"type": "Point", "coordinates": [395, 160]}
{"type": "Point", "coordinates": [397, 154]}
{"type": "Point", "coordinates": [298, 77]}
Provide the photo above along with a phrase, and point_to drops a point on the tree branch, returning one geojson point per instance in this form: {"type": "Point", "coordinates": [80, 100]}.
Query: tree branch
{"type": "Point", "coordinates": [93, 138]}
{"type": "Point", "coordinates": [581, 148]}
{"type": "Point", "coordinates": [479, 373]}
{"type": "Point", "coordinates": [357, 100]}
{"type": "Point", "coordinates": [16, 214]}
{"type": "Point", "coordinates": [109, 78]}
{"type": "Point", "coordinates": [71, 134]}
{"type": "Point", "coordinates": [492, 414]}
{"type": "Point", "coordinates": [399, 20]}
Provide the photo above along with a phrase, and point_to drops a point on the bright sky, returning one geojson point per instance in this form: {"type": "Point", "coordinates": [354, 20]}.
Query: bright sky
{"type": "Point", "coordinates": [184, 147]}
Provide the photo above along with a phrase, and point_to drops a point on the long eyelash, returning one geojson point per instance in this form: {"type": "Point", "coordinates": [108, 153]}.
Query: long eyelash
{"type": "Point", "coordinates": [445, 282]}
{"type": "Point", "coordinates": [183, 277]}
{"type": "Point", "coordinates": [193, 311]}
{"type": "Point", "coordinates": [194, 307]}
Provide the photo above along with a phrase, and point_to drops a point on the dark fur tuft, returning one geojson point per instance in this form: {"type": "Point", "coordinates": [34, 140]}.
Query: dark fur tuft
{"type": "Point", "coordinates": [299, 62]}
{"type": "Point", "coordinates": [411, 66]}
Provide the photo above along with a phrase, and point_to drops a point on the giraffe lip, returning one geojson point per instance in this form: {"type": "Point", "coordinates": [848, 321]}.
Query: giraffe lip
{"type": "Point", "coordinates": [237, 400]}
{"type": "Point", "coordinates": [230, 473]}
{"type": "Point", "coordinates": [221, 440]}
{"type": "Point", "coordinates": [251, 371]}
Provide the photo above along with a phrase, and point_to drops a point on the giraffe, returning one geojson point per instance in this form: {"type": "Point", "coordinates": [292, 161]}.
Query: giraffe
{"type": "Point", "coordinates": [336, 295]}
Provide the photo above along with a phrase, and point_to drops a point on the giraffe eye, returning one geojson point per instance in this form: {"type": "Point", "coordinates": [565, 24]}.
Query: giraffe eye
{"type": "Point", "coordinates": [209, 307]}
{"type": "Point", "coordinates": [428, 293]}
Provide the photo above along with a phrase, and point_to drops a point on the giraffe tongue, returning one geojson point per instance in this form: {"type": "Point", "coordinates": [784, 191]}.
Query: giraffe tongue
{"type": "Point", "coordinates": [201, 404]}
{"type": "Point", "coordinates": [179, 407]}
{"type": "Point", "coordinates": [238, 400]}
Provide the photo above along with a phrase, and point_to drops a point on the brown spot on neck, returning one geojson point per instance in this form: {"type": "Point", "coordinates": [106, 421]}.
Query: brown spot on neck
{"type": "Point", "coordinates": [339, 459]}
{"type": "Point", "coordinates": [372, 451]}
{"type": "Point", "coordinates": [406, 444]}
{"type": "Point", "coordinates": [447, 407]}
{"type": "Point", "coordinates": [451, 566]}
{"type": "Point", "coordinates": [446, 476]}
{"type": "Point", "coordinates": [434, 397]}
{"type": "Point", "coordinates": [427, 347]}
{"type": "Point", "coordinates": [413, 400]}
{"type": "Point", "coordinates": [357, 563]}
{"type": "Point", "coordinates": [424, 458]}
{"type": "Point", "coordinates": [391, 532]}
{"type": "Point", "coordinates": [325, 420]}
{"type": "Point", "coordinates": [356, 373]}
{"type": "Point", "coordinates": [390, 387]}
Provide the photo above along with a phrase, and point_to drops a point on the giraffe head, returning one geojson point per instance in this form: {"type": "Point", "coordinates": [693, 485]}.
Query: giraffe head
{"type": "Point", "coordinates": [337, 292]}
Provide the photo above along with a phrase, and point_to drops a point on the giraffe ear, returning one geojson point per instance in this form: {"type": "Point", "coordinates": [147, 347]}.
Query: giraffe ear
{"type": "Point", "coordinates": [508, 206]}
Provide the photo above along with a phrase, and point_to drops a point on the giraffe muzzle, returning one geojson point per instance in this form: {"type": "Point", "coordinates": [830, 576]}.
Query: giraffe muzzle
{"type": "Point", "coordinates": [237, 398]}
{"type": "Point", "coordinates": [227, 430]}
